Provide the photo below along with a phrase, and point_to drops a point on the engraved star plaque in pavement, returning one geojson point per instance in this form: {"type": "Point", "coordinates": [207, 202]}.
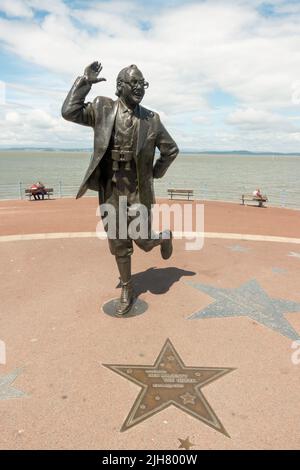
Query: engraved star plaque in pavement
{"type": "Point", "coordinates": [185, 444]}
{"type": "Point", "coordinates": [6, 389]}
{"type": "Point", "coordinates": [294, 254]}
{"type": "Point", "coordinates": [248, 300]}
{"type": "Point", "coordinates": [170, 382]}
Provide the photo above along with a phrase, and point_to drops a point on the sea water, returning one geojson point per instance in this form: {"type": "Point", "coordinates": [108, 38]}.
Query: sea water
{"type": "Point", "coordinates": [212, 176]}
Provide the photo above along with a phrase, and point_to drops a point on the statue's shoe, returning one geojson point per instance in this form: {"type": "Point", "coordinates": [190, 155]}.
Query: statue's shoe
{"type": "Point", "coordinates": [126, 299]}
{"type": "Point", "coordinates": [166, 246]}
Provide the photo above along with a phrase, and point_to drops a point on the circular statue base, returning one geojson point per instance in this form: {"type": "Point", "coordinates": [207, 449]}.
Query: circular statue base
{"type": "Point", "coordinates": [138, 308]}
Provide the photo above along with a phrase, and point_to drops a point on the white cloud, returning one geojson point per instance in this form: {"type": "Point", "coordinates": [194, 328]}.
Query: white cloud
{"type": "Point", "coordinates": [189, 51]}
{"type": "Point", "coordinates": [259, 120]}
{"type": "Point", "coordinates": [57, 7]}
{"type": "Point", "coordinates": [13, 117]}
{"type": "Point", "coordinates": [16, 8]}
{"type": "Point", "coordinates": [39, 118]}
{"type": "Point", "coordinates": [37, 128]}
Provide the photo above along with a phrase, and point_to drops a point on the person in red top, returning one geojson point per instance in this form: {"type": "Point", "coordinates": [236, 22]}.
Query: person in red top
{"type": "Point", "coordinates": [257, 193]}
{"type": "Point", "coordinates": [37, 190]}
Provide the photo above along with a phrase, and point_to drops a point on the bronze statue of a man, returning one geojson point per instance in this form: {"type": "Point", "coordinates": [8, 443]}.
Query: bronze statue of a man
{"type": "Point", "coordinates": [125, 138]}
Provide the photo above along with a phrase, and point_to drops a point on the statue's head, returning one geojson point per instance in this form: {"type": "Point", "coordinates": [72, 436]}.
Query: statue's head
{"type": "Point", "coordinates": [131, 85]}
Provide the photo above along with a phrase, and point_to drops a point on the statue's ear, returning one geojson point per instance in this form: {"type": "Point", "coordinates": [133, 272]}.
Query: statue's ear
{"type": "Point", "coordinates": [119, 88]}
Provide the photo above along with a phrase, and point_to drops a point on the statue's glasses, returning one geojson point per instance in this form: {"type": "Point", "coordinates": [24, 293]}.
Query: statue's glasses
{"type": "Point", "coordinates": [135, 83]}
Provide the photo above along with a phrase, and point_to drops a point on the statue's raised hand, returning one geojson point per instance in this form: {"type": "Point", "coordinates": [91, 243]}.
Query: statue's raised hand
{"type": "Point", "coordinates": [92, 71]}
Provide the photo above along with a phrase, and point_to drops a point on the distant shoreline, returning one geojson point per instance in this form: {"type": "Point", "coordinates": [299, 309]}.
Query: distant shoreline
{"type": "Point", "coordinates": [182, 152]}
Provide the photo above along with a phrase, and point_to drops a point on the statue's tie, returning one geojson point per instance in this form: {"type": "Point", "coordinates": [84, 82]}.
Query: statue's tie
{"type": "Point", "coordinates": [128, 120]}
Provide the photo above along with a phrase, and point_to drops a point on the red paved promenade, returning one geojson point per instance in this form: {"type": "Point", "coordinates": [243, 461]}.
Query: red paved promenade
{"type": "Point", "coordinates": [68, 215]}
{"type": "Point", "coordinates": [235, 304]}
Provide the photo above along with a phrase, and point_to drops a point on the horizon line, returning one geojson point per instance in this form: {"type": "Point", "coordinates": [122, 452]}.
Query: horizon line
{"type": "Point", "coordinates": [185, 151]}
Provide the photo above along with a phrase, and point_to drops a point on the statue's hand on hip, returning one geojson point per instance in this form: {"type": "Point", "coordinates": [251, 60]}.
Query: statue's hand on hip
{"type": "Point", "coordinates": [92, 71]}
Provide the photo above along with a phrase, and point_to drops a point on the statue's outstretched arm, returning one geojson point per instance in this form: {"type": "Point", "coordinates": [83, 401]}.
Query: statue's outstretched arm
{"type": "Point", "coordinates": [74, 108]}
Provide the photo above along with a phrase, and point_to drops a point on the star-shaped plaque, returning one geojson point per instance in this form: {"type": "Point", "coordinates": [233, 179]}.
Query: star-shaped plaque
{"type": "Point", "coordinates": [249, 300]}
{"type": "Point", "coordinates": [170, 382]}
{"type": "Point", "coordinates": [7, 391]}
{"type": "Point", "coordinates": [294, 254]}
{"type": "Point", "coordinates": [185, 444]}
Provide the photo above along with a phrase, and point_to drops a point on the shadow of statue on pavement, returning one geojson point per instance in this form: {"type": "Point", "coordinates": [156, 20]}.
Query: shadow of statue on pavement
{"type": "Point", "coordinates": [158, 280]}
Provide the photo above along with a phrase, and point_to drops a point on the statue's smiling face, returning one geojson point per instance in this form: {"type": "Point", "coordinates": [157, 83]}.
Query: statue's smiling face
{"type": "Point", "coordinates": [133, 90]}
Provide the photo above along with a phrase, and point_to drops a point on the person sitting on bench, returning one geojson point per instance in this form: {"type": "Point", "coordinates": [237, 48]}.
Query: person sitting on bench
{"type": "Point", "coordinates": [257, 194]}
{"type": "Point", "coordinates": [37, 190]}
{"type": "Point", "coordinates": [41, 189]}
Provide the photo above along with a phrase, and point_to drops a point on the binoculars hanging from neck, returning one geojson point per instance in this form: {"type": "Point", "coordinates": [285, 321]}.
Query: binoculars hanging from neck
{"type": "Point", "coordinates": [121, 156]}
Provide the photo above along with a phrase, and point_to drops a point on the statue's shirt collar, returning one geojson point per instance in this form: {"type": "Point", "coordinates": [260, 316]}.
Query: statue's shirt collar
{"type": "Point", "coordinates": [123, 108]}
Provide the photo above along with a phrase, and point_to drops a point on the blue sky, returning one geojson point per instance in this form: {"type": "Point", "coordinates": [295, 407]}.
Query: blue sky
{"type": "Point", "coordinates": [223, 74]}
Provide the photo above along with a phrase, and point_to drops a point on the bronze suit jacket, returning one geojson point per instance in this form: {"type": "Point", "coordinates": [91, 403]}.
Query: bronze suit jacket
{"type": "Point", "coordinates": [101, 116]}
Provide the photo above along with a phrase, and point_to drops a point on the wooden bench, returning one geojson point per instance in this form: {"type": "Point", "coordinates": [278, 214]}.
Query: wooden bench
{"type": "Point", "coordinates": [249, 197]}
{"type": "Point", "coordinates": [49, 192]}
{"type": "Point", "coordinates": [180, 193]}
